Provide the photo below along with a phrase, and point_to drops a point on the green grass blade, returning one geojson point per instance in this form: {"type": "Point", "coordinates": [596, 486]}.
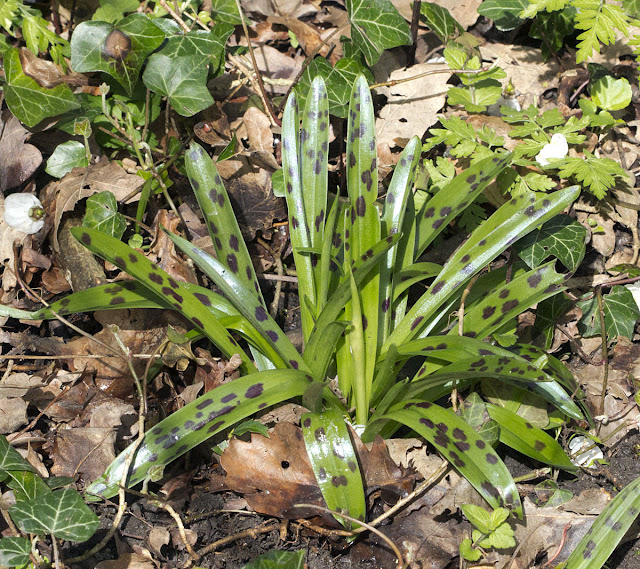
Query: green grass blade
{"type": "Point", "coordinates": [467, 452]}
{"type": "Point", "coordinates": [175, 294]}
{"type": "Point", "coordinates": [207, 415]}
{"type": "Point", "coordinates": [335, 464]}
{"type": "Point", "coordinates": [607, 531]}
{"type": "Point", "coordinates": [531, 441]}
{"type": "Point", "coordinates": [221, 221]}
{"type": "Point", "coordinates": [245, 301]}
{"type": "Point", "coordinates": [513, 220]}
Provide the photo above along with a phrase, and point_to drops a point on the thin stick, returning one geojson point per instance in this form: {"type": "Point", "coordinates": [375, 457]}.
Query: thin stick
{"type": "Point", "coordinates": [372, 529]}
{"type": "Point", "coordinates": [605, 355]}
{"type": "Point", "coordinates": [425, 74]}
{"type": "Point", "coordinates": [175, 16]}
{"type": "Point", "coordinates": [263, 93]}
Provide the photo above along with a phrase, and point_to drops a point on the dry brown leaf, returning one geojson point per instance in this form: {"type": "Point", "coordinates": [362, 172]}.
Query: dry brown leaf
{"type": "Point", "coordinates": [18, 160]}
{"type": "Point", "coordinates": [83, 450]}
{"type": "Point", "coordinates": [127, 561]}
{"type": "Point", "coordinates": [251, 195]}
{"type": "Point", "coordinates": [158, 536]}
{"type": "Point", "coordinates": [308, 36]}
{"type": "Point", "coordinates": [277, 65]}
{"type": "Point", "coordinates": [84, 182]}
{"type": "Point", "coordinates": [273, 473]}
{"type": "Point", "coordinates": [530, 75]}
{"type": "Point", "coordinates": [411, 107]}
{"type": "Point", "coordinates": [13, 414]}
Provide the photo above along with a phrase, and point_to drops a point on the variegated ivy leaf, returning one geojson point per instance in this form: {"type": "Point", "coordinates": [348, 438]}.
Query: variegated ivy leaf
{"type": "Point", "coordinates": [207, 415]}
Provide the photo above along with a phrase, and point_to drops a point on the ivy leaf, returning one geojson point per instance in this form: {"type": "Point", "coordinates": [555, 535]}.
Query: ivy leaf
{"type": "Point", "coordinates": [504, 13]}
{"type": "Point", "coordinates": [118, 51]}
{"type": "Point", "coordinates": [182, 79]}
{"type": "Point", "coordinates": [561, 237]}
{"type": "Point", "coordinates": [226, 11]}
{"type": "Point", "coordinates": [61, 513]}
{"type": "Point", "coordinates": [66, 157]}
{"type": "Point", "coordinates": [620, 314]}
{"type": "Point", "coordinates": [27, 100]}
{"type": "Point", "coordinates": [14, 551]}
{"type": "Point", "coordinates": [440, 21]}
{"type": "Point", "coordinates": [599, 174]}
{"type": "Point", "coordinates": [376, 25]}
{"type": "Point", "coordinates": [102, 214]}
{"type": "Point", "coordinates": [278, 560]}
{"type": "Point", "coordinates": [339, 82]}
{"type": "Point", "coordinates": [548, 313]}
{"type": "Point", "coordinates": [208, 45]}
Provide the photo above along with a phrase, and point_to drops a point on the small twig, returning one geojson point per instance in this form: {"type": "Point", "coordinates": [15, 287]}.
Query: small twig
{"type": "Point", "coordinates": [272, 277]}
{"type": "Point", "coordinates": [605, 355]}
{"type": "Point", "coordinates": [372, 529]}
{"type": "Point", "coordinates": [14, 437]}
{"type": "Point", "coordinates": [175, 16]}
{"type": "Point", "coordinates": [262, 92]}
{"type": "Point", "coordinates": [280, 270]}
{"type": "Point", "coordinates": [577, 347]}
{"type": "Point", "coordinates": [415, 24]}
{"type": "Point", "coordinates": [425, 74]}
{"type": "Point", "coordinates": [176, 518]}
{"type": "Point", "coordinates": [253, 533]}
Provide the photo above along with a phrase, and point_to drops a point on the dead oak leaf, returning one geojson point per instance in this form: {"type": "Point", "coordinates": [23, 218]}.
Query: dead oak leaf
{"type": "Point", "coordinates": [86, 451]}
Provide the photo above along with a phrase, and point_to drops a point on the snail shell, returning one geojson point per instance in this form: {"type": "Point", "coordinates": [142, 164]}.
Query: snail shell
{"type": "Point", "coordinates": [117, 45]}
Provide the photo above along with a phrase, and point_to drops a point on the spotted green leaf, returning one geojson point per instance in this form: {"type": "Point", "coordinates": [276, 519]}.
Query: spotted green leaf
{"type": "Point", "coordinates": [61, 513]}
{"type": "Point", "coordinates": [118, 51]}
{"type": "Point", "coordinates": [507, 301]}
{"type": "Point", "coordinates": [245, 301]}
{"type": "Point", "coordinates": [27, 100]}
{"type": "Point", "coordinates": [14, 551]}
{"type": "Point", "coordinates": [182, 79]}
{"type": "Point", "coordinates": [300, 232]}
{"type": "Point", "coordinates": [455, 197]}
{"type": "Point", "coordinates": [464, 449]}
{"type": "Point", "coordinates": [174, 294]}
{"type": "Point", "coordinates": [395, 206]}
{"type": "Point", "coordinates": [207, 415]}
{"type": "Point", "coordinates": [221, 221]}
{"type": "Point", "coordinates": [531, 441]}
{"type": "Point", "coordinates": [562, 236]}
{"type": "Point", "coordinates": [513, 220]}
{"type": "Point", "coordinates": [607, 531]}
{"type": "Point", "coordinates": [376, 25]}
{"type": "Point", "coordinates": [335, 464]}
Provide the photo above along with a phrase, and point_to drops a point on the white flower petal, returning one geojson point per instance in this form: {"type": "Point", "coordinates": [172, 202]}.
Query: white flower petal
{"type": "Point", "coordinates": [584, 457]}
{"type": "Point", "coordinates": [557, 148]}
{"type": "Point", "coordinates": [17, 210]}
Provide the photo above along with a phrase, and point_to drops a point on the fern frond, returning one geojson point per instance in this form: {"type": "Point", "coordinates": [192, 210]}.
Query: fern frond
{"type": "Point", "coordinates": [600, 21]}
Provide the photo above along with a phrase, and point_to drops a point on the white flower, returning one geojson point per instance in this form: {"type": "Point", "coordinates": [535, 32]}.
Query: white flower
{"type": "Point", "coordinates": [581, 454]}
{"type": "Point", "coordinates": [557, 148]}
{"type": "Point", "coordinates": [23, 212]}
